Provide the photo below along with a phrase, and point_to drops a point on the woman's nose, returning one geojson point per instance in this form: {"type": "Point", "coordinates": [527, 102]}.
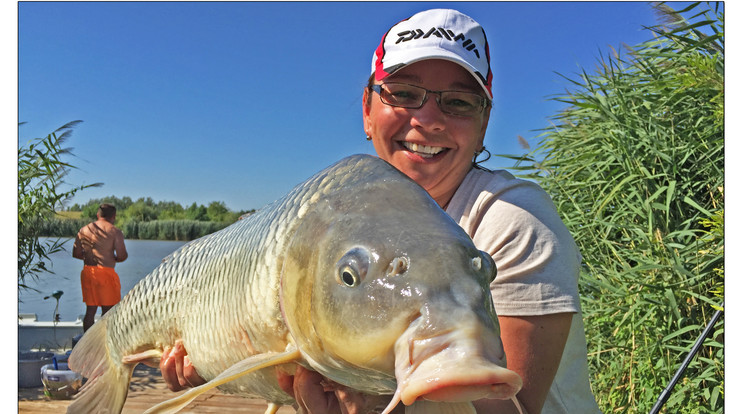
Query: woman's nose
{"type": "Point", "coordinates": [429, 116]}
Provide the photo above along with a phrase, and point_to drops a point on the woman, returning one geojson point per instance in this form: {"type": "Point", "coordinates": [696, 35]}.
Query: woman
{"type": "Point", "coordinates": [425, 110]}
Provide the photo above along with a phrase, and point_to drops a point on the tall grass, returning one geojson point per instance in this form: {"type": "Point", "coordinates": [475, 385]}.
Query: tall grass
{"type": "Point", "coordinates": [184, 230]}
{"type": "Point", "coordinates": [635, 166]}
{"type": "Point", "coordinates": [181, 230]}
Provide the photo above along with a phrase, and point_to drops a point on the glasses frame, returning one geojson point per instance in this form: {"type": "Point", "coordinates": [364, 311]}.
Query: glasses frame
{"type": "Point", "coordinates": [484, 101]}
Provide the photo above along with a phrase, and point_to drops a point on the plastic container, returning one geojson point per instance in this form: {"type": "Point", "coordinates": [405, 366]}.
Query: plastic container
{"type": "Point", "coordinates": [29, 364]}
{"type": "Point", "coordinates": [59, 382]}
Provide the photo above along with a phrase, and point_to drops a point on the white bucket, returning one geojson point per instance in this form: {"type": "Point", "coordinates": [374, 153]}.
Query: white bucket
{"type": "Point", "coordinates": [60, 383]}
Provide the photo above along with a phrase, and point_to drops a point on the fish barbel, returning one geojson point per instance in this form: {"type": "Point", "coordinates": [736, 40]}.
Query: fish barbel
{"type": "Point", "coordinates": [356, 273]}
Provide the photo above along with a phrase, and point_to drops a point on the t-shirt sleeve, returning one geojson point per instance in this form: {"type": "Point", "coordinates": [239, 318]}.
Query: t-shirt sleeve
{"type": "Point", "coordinates": [536, 258]}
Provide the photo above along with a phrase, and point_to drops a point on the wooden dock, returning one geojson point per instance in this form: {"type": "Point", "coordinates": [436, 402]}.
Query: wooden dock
{"type": "Point", "coordinates": [147, 389]}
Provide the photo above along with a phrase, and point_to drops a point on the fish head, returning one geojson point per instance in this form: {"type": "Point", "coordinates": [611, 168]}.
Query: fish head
{"type": "Point", "coordinates": [383, 292]}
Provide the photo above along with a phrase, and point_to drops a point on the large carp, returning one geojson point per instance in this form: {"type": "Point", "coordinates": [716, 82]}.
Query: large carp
{"type": "Point", "coordinates": [357, 274]}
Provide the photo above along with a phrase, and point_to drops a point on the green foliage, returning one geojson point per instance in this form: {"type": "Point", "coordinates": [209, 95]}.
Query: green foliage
{"type": "Point", "coordinates": [171, 211]}
{"type": "Point", "coordinates": [635, 167]}
{"type": "Point", "coordinates": [184, 230]}
{"type": "Point", "coordinates": [41, 173]}
{"type": "Point", "coordinates": [216, 211]}
{"type": "Point", "coordinates": [140, 210]}
{"type": "Point", "coordinates": [712, 252]}
{"type": "Point", "coordinates": [145, 209]}
{"type": "Point", "coordinates": [149, 220]}
{"type": "Point", "coordinates": [195, 212]}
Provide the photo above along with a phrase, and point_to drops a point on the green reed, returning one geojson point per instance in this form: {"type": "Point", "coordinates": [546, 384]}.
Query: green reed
{"type": "Point", "coordinates": [42, 170]}
{"type": "Point", "coordinates": [180, 230]}
{"type": "Point", "coordinates": [635, 166]}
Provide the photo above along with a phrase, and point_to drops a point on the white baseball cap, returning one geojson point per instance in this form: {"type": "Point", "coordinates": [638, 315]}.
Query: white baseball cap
{"type": "Point", "coordinates": [435, 34]}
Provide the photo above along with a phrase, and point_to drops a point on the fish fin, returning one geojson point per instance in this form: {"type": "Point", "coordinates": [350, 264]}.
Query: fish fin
{"type": "Point", "coordinates": [150, 357]}
{"type": "Point", "coordinates": [246, 366]}
{"type": "Point", "coordinates": [434, 407]}
{"type": "Point", "coordinates": [272, 408]}
{"type": "Point", "coordinates": [108, 381]}
{"type": "Point", "coordinates": [393, 402]}
{"type": "Point", "coordinates": [517, 404]}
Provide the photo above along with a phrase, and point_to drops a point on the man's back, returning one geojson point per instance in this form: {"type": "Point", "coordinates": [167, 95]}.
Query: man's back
{"type": "Point", "coordinates": [100, 243]}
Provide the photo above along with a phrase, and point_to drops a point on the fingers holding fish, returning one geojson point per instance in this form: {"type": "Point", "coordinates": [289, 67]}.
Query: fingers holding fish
{"type": "Point", "coordinates": [318, 395]}
{"type": "Point", "coordinates": [178, 371]}
{"type": "Point", "coordinates": [168, 369]}
{"type": "Point", "coordinates": [355, 402]}
{"type": "Point", "coordinates": [311, 394]}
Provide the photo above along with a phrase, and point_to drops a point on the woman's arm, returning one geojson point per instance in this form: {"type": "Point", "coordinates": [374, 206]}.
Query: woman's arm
{"type": "Point", "coordinates": [533, 346]}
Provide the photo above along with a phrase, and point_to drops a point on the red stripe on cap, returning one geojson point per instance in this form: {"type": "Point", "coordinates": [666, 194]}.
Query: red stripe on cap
{"type": "Point", "coordinates": [489, 77]}
{"type": "Point", "coordinates": [380, 73]}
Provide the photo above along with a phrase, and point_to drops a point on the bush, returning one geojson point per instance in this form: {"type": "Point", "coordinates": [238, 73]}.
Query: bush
{"type": "Point", "coordinates": [41, 172]}
{"type": "Point", "coordinates": [635, 166]}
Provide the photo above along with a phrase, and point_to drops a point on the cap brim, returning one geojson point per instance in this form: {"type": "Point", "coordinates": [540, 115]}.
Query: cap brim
{"type": "Point", "coordinates": [431, 53]}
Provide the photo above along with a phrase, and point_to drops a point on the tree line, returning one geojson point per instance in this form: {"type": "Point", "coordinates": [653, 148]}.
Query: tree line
{"type": "Point", "coordinates": [145, 209]}
{"type": "Point", "coordinates": [146, 219]}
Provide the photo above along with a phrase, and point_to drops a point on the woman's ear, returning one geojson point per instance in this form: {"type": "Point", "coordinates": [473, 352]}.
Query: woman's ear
{"type": "Point", "coordinates": [365, 111]}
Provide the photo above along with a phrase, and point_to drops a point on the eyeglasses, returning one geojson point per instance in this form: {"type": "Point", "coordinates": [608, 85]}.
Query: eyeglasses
{"type": "Point", "coordinates": [403, 95]}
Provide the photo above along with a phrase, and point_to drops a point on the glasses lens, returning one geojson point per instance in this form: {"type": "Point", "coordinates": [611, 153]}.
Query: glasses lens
{"type": "Point", "coordinates": [450, 102]}
{"type": "Point", "coordinates": [406, 96]}
{"type": "Point", "coordinates": [461, 103]}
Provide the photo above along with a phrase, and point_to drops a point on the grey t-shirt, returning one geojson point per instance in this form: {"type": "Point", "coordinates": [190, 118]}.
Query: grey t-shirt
{"type": "Point", "coordinates": [537, 264]}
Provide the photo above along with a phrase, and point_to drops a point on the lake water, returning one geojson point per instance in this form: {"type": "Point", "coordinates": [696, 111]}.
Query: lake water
{"type": "Point", "coordinates": [144, 256]}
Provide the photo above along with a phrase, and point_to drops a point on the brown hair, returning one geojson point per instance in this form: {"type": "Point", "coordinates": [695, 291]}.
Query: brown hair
{"type": "Point", "coordinates": [370, 82]}
{"type": "Point", "coordinates": [107, 211]}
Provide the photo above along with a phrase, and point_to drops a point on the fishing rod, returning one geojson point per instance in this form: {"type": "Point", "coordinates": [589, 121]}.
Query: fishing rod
{"type": "Point", "coordinates": [695, 348]}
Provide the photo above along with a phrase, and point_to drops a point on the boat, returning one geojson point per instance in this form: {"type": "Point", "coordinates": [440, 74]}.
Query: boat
{"type": "Point", "coordinates": [42, 343]}
{"type": "Point", "coordinates": [34, 334]}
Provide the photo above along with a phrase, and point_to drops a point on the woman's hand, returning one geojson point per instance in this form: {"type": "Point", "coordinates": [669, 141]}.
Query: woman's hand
{"type": "Point", "coordinates": [178, 372]}
{"type": "Point", "coordinates": [314, 393]}
{"type": "Point", "coordinates": [317, 395]}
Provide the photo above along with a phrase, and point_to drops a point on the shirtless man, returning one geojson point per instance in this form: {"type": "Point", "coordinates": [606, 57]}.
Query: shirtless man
{"type": "Point", "coordinates": [100, 246]}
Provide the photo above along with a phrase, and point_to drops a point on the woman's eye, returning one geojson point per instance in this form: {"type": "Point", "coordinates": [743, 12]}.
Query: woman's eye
{"type": "Point", "coordinates": [404, 95]}
{"type": "Point", "coordinates": [459, 103]}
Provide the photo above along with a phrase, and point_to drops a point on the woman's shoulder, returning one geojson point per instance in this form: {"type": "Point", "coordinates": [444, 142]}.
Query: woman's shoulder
{"type": "Point", "coordinates": [482, 187]}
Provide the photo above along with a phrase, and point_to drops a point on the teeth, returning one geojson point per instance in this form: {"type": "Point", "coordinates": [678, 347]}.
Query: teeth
{"type": "Point", "coordinates": [423, 150]}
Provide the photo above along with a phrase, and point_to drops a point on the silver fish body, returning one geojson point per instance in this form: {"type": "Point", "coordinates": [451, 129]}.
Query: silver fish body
{"type": "Point", "coordinates": [356, 273]}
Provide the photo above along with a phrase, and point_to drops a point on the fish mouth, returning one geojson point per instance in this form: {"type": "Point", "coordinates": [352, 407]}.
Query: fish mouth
{"type": "Point", "coordinates": [423, 151]}
{"type": "Point", "coordinates": [452, 367]}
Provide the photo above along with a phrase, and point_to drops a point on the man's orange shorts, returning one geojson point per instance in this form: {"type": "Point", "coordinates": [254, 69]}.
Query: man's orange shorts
{"type": "Point", "coordinates": [101, 286]}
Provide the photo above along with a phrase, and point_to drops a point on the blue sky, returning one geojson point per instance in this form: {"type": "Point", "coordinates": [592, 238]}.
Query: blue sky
{"type": "Point", "coordinates": [239, 102]}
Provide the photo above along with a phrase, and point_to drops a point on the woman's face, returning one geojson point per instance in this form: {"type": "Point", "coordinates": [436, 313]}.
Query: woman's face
{"type": "Point", "coordinates": [433, 148]}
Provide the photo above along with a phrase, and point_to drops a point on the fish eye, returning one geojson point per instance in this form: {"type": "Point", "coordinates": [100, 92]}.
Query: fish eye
{"type": "Point", "coordinates": [352, 267]}
{"type": "Point", "coordinates": [485, 265]}
{"type": "Point", "coordinates": [349, 277]}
